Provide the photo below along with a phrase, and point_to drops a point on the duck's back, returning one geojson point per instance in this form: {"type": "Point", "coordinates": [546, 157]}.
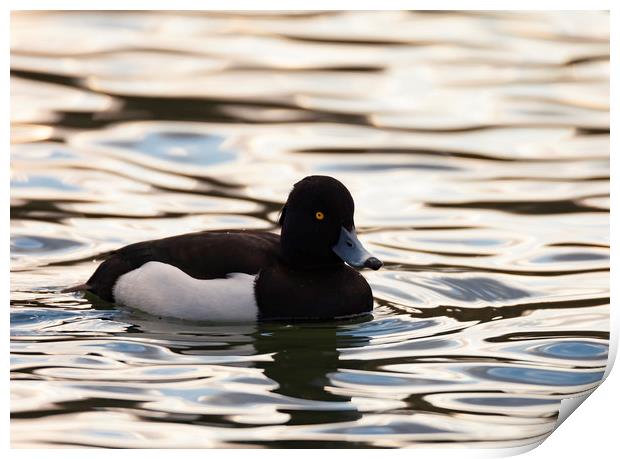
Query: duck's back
{"type": "Point", "coordinates": [202, 255]}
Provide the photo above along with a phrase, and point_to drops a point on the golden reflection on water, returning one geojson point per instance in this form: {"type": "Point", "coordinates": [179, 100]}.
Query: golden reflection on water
{"type": "Point", "coordinates": [476, 146]}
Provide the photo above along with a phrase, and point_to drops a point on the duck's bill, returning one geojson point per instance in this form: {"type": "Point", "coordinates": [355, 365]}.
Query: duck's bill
{"type": "Point", "coordinates": [351, 250]}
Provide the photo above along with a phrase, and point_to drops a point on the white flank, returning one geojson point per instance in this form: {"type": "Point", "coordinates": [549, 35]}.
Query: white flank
{"type": "Point", "coordinates": [165, 290]}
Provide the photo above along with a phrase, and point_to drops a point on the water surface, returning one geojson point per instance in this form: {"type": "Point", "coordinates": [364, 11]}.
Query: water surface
{"type": "Point", "coordinates": [476, 146]}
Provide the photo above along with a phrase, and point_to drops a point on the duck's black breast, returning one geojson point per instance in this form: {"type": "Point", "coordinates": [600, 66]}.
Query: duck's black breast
{"type": "Point", "coordinates": [202, 255]}
{"type": "Point", "coordinates": [319, 294]}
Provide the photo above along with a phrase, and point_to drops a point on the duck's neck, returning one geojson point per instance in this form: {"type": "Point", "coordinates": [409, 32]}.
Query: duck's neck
{"type": "Point", "coordinates": [299, 257]}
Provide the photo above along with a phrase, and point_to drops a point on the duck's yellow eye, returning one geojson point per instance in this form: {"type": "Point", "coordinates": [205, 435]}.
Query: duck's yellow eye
{"type": "Point", "coordinates": [319, 215]}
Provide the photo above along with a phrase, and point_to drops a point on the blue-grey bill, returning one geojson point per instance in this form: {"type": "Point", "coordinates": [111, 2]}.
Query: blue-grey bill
{"type": "Point", "coordinates": [351, 251]}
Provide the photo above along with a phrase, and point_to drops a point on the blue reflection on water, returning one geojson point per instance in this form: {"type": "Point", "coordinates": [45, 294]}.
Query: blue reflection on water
{"type": "Point", "coordinates": [385, 379]}
{"type": "Point", "coordinates": [39, 316]}
{"type": "Point", "coordinates": [40, 244]}
{"type": "Point", "coordinates": [389, 326]}
{"type": "Point", "coordinates": [44, 181]}
{"type": "Point", "coordinates": [30, 321]}
{"type": "Point", "coordinates": [180, 147]}
{"type": "Point", "coordinates": [539, 376]}
{"type": "Point", "coordinates": [125, 346]}
{"type": "Point", "coordinates": [574, 350]}
{"type": "Point", "coordinates": [570, 257]}
{"type": "Point", "coordinates": [507, 401]}
{"type": "Point", "coordinates": [406, 428]}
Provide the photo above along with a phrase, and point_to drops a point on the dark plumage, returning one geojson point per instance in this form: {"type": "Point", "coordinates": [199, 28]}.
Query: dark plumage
{"type": "Point", "coordinates": [301, 274]}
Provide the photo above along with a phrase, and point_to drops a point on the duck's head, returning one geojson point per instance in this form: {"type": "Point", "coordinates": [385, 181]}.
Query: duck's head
{"type": "Point", "coordinates": [318, 228]}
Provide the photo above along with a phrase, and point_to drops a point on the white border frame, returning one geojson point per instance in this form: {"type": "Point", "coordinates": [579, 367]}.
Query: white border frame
{"type": "Point", "coordinates": [591, 432]}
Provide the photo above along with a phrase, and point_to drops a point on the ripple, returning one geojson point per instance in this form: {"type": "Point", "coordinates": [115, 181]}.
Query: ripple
{"type": "Point", "coordinates": [576, 352]}
{"type": "Point", "coordinates": [572, 257]}
{"type": "Point", "coordinates": [574, 349]}
{"type": "Point", "coordinates": [477, 288]}
{"type": "Point", "coordinates": [42, 102]}
{"type": "Point", "coordinates": [496, 403]}
{"type": "Point", "coordinates": [28, 244]}
{"type": "Point", "coordinates": [21, 133]}
{"type": "Point", "coordinates": [118, 64]}
{"type": "Point", "coordinates": [179, 147]}
{"type": "Point", "coordinates": [364, 380]}
{"type": "Point", "coordinates": [35, 244]}
{"type": "Point", "coordinates": [35, 318]}
{"type": "Point", "coordinates": [538, 376]}
{"type": "Point", "coordinates": [41, 181]}
{"type": "Point", "coordinates": [432, 290]}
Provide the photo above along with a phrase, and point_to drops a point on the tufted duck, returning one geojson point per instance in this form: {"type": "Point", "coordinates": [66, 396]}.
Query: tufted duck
{"type": "Point", "coordinates": [250, 275]}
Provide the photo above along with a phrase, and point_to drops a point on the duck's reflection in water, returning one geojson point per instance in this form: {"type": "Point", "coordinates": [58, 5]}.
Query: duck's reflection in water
{"type": "Point", "coordinates": [304, 357]}
{"type": "Point", "coordinates": [297, 361]}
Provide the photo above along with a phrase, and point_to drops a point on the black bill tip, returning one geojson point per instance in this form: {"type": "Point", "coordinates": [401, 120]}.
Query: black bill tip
{"type": "Point", "coordinates": [373, 263]}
